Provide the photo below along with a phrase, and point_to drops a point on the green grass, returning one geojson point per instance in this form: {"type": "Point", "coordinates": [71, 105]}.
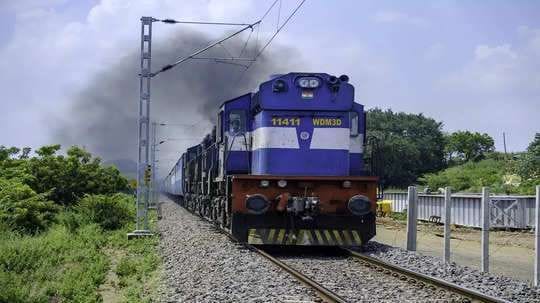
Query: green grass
{"type": "Point", "coordinates": [399, 216]}
{"type": "Point", "coordinates": [60, 265]}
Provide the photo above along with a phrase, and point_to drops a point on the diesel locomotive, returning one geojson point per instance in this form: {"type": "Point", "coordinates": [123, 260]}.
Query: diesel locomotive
{"type": "Point", "coordinates": [284, 166]}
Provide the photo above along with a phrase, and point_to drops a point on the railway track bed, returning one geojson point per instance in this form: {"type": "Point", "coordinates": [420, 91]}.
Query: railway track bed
{"type": "Point", "coordinates": [345, 278]}
{"type": "Point", "coordinates": [204, 265]}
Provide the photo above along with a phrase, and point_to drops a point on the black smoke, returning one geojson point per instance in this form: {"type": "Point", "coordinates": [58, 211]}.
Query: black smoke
{"type": "Point", "coordinates": [103, 117]}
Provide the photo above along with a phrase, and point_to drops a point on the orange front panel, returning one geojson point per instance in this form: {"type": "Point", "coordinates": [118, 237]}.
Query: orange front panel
{"type": "Point", "coordinates": [333, 197]}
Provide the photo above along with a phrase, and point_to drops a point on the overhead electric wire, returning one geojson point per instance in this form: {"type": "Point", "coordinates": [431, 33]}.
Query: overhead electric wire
{"type": "Point", "coordinates": [269, 9]}
{"type": "Point", "coordinates": [172, 21]}
{"type": "Point", "coordinates": [245, 44]}
{"type": "Point", "coordinates": [271, 38]}
{"type": "Point", "coordinates": [246, 26]}
{"type": "Point", "coordinates": [280, 28]}
{"type": "Point", "coordinates": [183, 59]}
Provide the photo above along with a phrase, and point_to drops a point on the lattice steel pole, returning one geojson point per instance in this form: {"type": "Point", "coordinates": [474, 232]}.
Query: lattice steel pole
{"type": "Point", "coordinates": [143, 167]}
{"type": "Point", "coordinates": [153, 191]}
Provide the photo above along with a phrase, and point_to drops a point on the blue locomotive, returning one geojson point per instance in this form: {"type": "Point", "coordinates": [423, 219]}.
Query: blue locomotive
{"type": "Point", "coordinates": [284, 165]}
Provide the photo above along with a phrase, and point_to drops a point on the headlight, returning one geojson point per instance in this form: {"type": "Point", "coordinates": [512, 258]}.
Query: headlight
{"type": "Point", "coordinates": [308, 82]}
{"type": "Point", "coordinates": [257, 204]}
{"type": "Point", "coordinates": [304, 83]}
{"type": "Point", "coordinates": [265, 183]}
{"type": "Point", "coordinates": [313, 83]}
{"type": "Point", "coordinates": [359, 205]}
{"type": "Point", "coordinates": [282, 183]}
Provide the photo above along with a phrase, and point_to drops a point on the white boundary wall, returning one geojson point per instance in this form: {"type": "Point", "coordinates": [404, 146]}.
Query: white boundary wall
{"type": "Point", "coordinates": [506, 211]}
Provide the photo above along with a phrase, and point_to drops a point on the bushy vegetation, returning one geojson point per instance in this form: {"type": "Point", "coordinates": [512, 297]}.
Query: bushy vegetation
{"type": "Point", "coordinates": [56, 266]}
{"type": "Point", "coordinates": [22, 209]}
{"type": "Point", "coordinates": [411, 148]}
{"type": "Point", "coordinates": [511, 174]}
{"type": "Point", "coordinates": [63, 224]}
{"type": "Point", "coordinates": [108, 211]}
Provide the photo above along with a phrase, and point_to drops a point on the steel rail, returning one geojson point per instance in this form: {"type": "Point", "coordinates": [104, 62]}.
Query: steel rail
{"type": "Point", "coordinates": [324, 293]}
{"type": "Point", "coordinates": [474, 295]}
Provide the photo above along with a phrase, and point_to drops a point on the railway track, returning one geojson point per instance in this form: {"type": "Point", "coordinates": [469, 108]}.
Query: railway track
{"type": "Point", "coordinates": [323, 292]}
{"type": "Point", "coordinates": [472, 295]}
{"type": "Point", "coordinates": [339, 291]}
{"type": "Point", "coordinates": [395, 271]}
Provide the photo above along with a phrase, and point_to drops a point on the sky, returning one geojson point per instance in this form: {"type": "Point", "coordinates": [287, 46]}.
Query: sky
{"type": "Point", "coordinates": [473, 65]}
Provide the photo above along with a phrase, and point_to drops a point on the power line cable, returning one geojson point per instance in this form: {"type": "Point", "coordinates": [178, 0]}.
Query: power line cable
{"type": "Point", "coordinates": [271, 38]}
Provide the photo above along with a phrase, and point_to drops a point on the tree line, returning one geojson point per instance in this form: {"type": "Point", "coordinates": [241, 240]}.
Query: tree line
{"type": "Point", "coordinates": [412, 149]}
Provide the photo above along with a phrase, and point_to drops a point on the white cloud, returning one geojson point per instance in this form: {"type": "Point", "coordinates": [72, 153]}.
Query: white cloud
{"type": "Point", "coordinates": [50, 56]}
{"type": "Point", "coordinates": [501, 84]}
{"type": "Point", "coordinates": [483, 52]}
{"type": "Point", "coordinates": [397, 17]}
{"type": "Point", "coordinates": [505, 68]}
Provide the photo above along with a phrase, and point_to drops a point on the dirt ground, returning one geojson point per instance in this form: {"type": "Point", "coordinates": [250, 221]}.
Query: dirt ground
{"type": "Point", "coordinates": [511, 252]}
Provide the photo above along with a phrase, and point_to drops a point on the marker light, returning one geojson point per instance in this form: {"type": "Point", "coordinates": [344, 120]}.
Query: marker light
{"type": "Point", "coordinates": [265, 183]}
{"type": "Point", "coordinates": [279, 86]}
{"type": "Point", "coordinates": [347, 184]}
{"type": "Point", "coordinates": [282, 183]}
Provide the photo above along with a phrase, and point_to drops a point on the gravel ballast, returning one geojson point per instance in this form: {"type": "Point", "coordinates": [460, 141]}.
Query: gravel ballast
{"type": "Point", "coordinates": [203, 265]}
{"type": "Point", "coordinates": [498, 286]}
{"type": "Point", "coordinates": [356, 282]}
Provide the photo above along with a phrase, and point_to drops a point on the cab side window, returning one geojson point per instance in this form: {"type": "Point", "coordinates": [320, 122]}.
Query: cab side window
{"type": "Point", "coordinates": [237, 122]}
{"type": "Point", "coordinates": [354, 123]}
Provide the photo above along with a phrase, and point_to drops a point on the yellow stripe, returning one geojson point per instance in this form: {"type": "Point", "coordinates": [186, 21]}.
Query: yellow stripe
{"type": "Point", "coordinates": [310, 236]}
{"type": "Point", "coordinates": [328, 237]}
{"type": "Point", "coordinates": [319, 237]}
{"type": "Point", "coordinates": [280, 236]}
{"type": "Point", "coordinates": [356, 237]}
{"type": "Point", "coordinates": [338, 237]}
{"type": "Point", "coordinates": [347, 237]}
{"type": "Point", "coordinates": [253, 238]}
{"type": "Point", "coordinates": [291, 239]}
{"type": "Point", "coordinates": [300, 236]}
{"type": "Point", "coordinates": [270, 239]}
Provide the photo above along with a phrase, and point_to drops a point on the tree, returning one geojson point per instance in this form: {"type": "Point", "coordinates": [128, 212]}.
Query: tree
{"type": "Point", "coordinates": [528, 163]}
{"type": "Point", "coordinates": [410, 144]}
{"type": "Point", "coordinates": [464, 146]}
{"type": "Point", "coordinates": [68, 178]}
{"type": "Point", "coordinates": [63, 178]}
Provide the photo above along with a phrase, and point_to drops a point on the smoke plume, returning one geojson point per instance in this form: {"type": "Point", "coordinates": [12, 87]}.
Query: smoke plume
{"type": "Point", "coordinates": [103, 117]}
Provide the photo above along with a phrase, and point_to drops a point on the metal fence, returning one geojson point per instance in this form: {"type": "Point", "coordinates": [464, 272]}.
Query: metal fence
{"type": "Point", "coordinates": [506, 211]}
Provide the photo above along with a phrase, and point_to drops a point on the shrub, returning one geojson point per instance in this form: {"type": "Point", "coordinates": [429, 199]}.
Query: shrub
{"type": "Point", "coordinates": [108, 211]}
{"type": "Point", "coordinates": [472, 176]}
{"type": "Point", "coordinates": [23, 209]}
{"type": "Point", "coordinates": [54, 266]}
